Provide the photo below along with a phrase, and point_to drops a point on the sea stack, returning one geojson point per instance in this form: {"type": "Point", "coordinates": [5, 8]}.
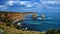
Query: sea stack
{"type": "Point", "coordinates": [34, 16]}
{"type": "Point", "coordinates": [42, 16]}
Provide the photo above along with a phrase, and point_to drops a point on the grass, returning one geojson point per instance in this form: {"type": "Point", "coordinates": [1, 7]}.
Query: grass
{"type": "Point", "coordinates": [12, 30]}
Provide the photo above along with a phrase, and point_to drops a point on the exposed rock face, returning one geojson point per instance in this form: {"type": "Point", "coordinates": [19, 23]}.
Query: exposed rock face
{"type": "Point", "coordinates": [34, 16]}
{"type": "Point", "coordinates": [11, 16]}
{"type": "Point", "coordinates": [14, 16]}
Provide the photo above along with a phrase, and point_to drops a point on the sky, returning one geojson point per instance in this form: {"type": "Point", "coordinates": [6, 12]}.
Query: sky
{"type": "Point", "coordinates": [28, 5]}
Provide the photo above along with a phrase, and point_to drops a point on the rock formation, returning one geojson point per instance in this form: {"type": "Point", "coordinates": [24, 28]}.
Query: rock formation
{"type": "Point", "coordinates": [34, 16]}
{"type": "Point", "coordinates": [11, 16]}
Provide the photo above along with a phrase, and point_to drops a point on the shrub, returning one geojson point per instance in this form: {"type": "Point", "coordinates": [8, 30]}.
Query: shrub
{"type": "Point", "coordinates": [53, 32]}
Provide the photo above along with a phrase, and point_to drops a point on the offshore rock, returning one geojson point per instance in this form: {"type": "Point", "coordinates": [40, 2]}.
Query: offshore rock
{"type": "Point", "coordinates": [34, 16]}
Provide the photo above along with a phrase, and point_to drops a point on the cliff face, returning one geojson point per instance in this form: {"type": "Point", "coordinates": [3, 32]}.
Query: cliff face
{"type": "Point", "coordinates": [34, 16]}
{"type": "Point", "coordinates": [14, 16]}
{"type": "Point", "coordinates": [11, 16]}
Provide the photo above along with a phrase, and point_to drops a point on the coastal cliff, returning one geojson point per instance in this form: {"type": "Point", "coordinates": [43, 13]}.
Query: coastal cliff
{"type": "Point", "coordinates": [11, 16]}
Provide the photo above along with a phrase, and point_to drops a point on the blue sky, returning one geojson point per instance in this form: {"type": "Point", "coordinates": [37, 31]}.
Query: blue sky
{"type": "Point", "coordinates": [28, 5]}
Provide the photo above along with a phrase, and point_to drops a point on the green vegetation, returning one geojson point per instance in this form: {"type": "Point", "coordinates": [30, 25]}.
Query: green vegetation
{"type": "Point", "coordinates": [12, 30]}
{"type": "Point", "coordinates": [53, 32]}
{"type": "Point", "coordinates": [1, 31]}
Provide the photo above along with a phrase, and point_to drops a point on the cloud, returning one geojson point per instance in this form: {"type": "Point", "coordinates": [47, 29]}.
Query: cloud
{"type": "Point", "coordinates": [50, 2]}
{"type": "Point", "coordinates": [25, 3]}
{"type": "Point", "coordinates": [52, 7]}
{"type": "Point", "coordinates": [28, 6]}
{"type": "Point", "coordinates": [3, 7]}
{"type": "Point", "coordinates": [11, 3]}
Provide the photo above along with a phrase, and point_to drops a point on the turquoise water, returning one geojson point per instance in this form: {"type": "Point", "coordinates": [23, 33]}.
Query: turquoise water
{"type": "Point", "coordinates": [51, 21]}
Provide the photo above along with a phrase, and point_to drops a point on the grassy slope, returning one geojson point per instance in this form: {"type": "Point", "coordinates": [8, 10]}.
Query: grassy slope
{"type": "Point", "coordinates": [12, 30]}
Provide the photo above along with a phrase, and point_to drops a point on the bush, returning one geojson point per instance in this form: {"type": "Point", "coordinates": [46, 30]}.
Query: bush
{"type": "Point", "coordinates": [1, 31]}
{"type": "Point", "coordinates": [53, 32]}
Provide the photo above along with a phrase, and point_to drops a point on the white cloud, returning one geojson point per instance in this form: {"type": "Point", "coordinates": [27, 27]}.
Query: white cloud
{"type": "Point", "coordinates": [53, 7]}
{"type": "Point", "coordinates": [29, 5]}
{"type": "Point", "coordinates": [25, 3]}
{"type": "Point", "coordinates": [50, 2]}
{"type": "Point", "coordinates": [3, 7]}
{"type": "Point", "coordinates": [10, 3]}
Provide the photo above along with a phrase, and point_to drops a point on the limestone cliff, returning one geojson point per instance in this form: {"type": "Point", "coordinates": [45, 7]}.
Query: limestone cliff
{"type": "Point", "coordinates": [11, 16]}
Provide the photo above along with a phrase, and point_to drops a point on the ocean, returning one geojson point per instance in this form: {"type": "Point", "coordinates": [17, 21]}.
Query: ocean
{"type": "Point", "coordinates": [51, 21]}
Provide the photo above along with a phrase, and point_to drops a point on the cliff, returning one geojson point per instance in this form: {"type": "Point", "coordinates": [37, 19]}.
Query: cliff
{"type": "Point", "coordinates": [11, 16]}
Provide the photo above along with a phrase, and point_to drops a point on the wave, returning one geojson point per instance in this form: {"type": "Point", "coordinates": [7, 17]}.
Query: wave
{"type": "Point", "coordinates": [44, 18]}
{"type": "Point", "coordinates": [39, 18]}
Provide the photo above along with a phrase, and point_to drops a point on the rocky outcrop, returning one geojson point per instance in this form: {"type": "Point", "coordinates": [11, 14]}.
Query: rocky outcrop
{"type": "Point", "coordinates": [34, 16]}
{"type": "Point", "coordinates": [11, 16]}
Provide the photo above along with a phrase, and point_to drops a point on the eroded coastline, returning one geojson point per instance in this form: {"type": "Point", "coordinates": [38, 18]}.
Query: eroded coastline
{"type": "Point", "coordinates": [6, 22]}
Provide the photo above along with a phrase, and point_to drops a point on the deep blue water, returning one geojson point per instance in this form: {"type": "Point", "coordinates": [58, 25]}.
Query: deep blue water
{"type": "Point", "coordinates": [51, 21]}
